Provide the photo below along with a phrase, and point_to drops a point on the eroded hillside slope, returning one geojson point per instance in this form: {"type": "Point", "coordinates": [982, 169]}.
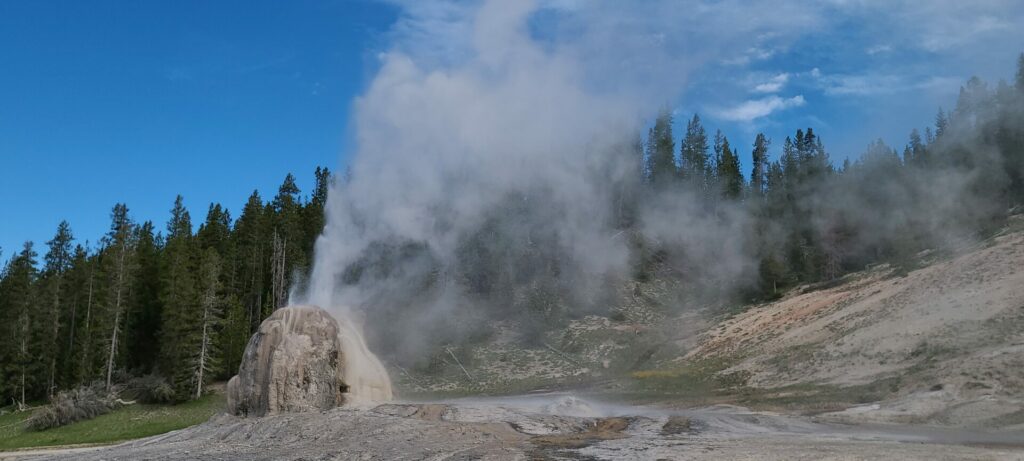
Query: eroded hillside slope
{"type": "Point", "coordinates": [947, 339]}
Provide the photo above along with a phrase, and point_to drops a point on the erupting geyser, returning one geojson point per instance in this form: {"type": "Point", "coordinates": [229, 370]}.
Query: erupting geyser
{"type": "Point", "coordinates": [301, 359]}
{"type": "Point", "coordinates": [365, 376]}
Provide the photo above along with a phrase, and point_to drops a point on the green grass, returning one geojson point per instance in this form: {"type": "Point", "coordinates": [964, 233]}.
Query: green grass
{"type": "Point", "coordinates": [691, 384]}
{"type": "Point", "coordinates": [700, 383]}
{"type": "Point", "coordinates": [817, 398]}
{"type": "Point", "coordinates": [125, 423]}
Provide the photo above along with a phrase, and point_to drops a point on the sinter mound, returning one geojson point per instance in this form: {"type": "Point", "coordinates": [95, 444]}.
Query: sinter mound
{"type": "Point", "coordinates": [295, 362]}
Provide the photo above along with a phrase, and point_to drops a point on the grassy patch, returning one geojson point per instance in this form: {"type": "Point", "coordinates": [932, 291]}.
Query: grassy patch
{"type": "Point", "coordinates": [706, 382]}
{"type": "Point", "coordinates": [126, 423]}
{"type": "Point", "coordinates": [693, 382]}
{"type": "Point", "coordinates": [818, 398]}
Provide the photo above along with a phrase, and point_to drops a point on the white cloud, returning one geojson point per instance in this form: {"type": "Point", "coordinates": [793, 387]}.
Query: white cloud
{"type": "Point", "coordinates": [773, 85]}
{"type": "Point", "coordinates": [753, 109]}
{"type": "Point", "coordinates": [878, 49]}
{"type": "Point", "coordinates": [939, 25]}
{"type": "Point", "coordinates": [433, 30]}
{"type": "Point", "coordinates": [754, 54]}
{"type": "Point", "coordinates": [877, 84]}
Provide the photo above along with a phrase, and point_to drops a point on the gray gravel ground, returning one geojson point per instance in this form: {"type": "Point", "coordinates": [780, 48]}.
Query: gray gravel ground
{"type": "Point", "coordinates": [526, 430]}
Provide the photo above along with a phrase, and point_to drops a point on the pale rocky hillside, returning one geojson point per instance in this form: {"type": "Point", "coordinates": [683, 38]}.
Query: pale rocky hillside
{"type": "Point", "coordinates": [943, 344]}
{"type": "Point", "coordinates": [949, 337]}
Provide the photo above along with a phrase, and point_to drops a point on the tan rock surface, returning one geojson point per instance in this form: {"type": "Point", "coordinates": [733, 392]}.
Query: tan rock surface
{"type": "Point", "coordinates": [293, 363]}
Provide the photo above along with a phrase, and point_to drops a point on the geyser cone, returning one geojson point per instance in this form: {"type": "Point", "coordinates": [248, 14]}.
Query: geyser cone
{"type": "Point", "coordinates": [304, 358]}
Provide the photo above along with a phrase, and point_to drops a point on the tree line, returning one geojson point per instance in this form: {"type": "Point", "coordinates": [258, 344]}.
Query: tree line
{"type": "Point", "coordinates": [811, 220]}
{"type": "Point", "coordinates": [174, 303]}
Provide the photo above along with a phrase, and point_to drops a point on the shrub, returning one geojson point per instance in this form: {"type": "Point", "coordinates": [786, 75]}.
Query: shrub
{"type": "Point", "coordinates": [73, 405]}
{"type": "Point", "coordinates": [148, 389]}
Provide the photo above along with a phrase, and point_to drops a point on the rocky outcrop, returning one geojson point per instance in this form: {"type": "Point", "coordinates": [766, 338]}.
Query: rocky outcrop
{"type": "Point", "coordinates": [293, 363]}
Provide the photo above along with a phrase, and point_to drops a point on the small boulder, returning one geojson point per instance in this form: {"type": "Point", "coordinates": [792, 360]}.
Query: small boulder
{"type": "Point", "coordinates": [293, 363]}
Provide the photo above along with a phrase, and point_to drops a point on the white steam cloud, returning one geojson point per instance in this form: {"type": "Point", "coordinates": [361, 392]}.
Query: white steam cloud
{"type": "Point", "coordinates": [478, 128]}
{"type": "Point", "coordinates": [458, 127]}
{"type": "Point", "coordinates": [470, 106]}
{"type": "Point", "coordinates": [440, 147]}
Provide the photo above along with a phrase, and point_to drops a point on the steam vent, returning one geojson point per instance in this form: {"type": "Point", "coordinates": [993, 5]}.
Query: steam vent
{"type": "Point", "coordinates": [295, 362]}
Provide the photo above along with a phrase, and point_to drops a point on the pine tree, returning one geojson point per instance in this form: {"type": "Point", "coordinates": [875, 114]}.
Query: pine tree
{"type": "Point", "coordinates": [790, 164]}
{"type": "Point", "coordinates": [142, 329]}
{"type": "Point", "coordinates": [58, 257]}
{"type": "Point", "coordinates": [79, 278]}
{"type": "Point", "coordinates": [18, 306]}
{"type": "Point", "coordinates": [205, 358]}
{"type": "Point", "coordinates": [808, 156]}
{"type": "Point", "coordinates": [775, 186]}
{"type": "Point", "coordinates": [180, 301]}
{"type": "Point", "coordinates": [716, 161]}
{"type": "Point", "coordinates": [760, 170]}
{"type": "Point", "coordinates": [822, 161]}
{"type": "Point", "coordinates": [694, 156]}
{"type": "Point", "coordinates": [57, 262]}
{"type": "Point", "coordinates": [661, 150]}
{"type": "Point", "coordinates": [941, 123]}
{"type": "Point", "coordinates": [729, 176]}
{"type": "Point", "coordinates": [800, 146]}
{"type": "Point", "coordinates": [918, 153]}
{"type": "Point", "coordinates": [712, 181]}
{"type": "Point", "coordinates": [91, 348]}
{"type": "Point", "coordinates": [288, 247]}
{"type": "Point", "coordinates": [313, 212]}
{"type": "Point", "coordinates": [216, 233]}
{"type": "Point", "coordinates": [324, 179]}
{"type": "Point", "coordinates": [625, 176]}
{"type": "Point", "coordinates": [121, 246]}
{"type": "Point", "coordinates": [233, 336]}
{"type": "Point", "coordinates": [279, 281]}
{"type": "Point", "coordinates": [1020, 73]}
{"type": "Point", "coordinates": [974, 95]}
{"type": "Point", "coordinates": [649, 157]}
{"type": "Point", "coordinates": [250, 242]}
{"type": "Point", "coordinates": [771, 274]}
{"type": "Point", "coordinates": [308, 224]}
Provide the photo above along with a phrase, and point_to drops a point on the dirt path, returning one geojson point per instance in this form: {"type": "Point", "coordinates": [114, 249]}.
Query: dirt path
{"type": "Point", "coordinates": [47, 452]}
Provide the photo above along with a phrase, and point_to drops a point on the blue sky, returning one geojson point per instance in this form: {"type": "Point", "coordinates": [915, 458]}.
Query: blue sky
{"type": "Point", "coordinates": [104, 102]}
{"type": "Point", "coordinates": [135, 102]}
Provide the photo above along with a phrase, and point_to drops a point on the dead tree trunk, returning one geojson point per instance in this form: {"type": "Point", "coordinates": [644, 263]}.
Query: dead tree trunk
{"type": "Point", "coordinates": [211, 274]}
{"type": "Point", "coordinates": [54, 331]}
{"type": "Point", "coordinates": [118, 289]}
{"type": "Point", "coordinates": [279, 278]}
{"type": "Point", "coordinates": [83, 371]}
{"type": "Point", "coordinates": [23, 320]}
{"type": "Point", "coordinates": [204, 348]}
